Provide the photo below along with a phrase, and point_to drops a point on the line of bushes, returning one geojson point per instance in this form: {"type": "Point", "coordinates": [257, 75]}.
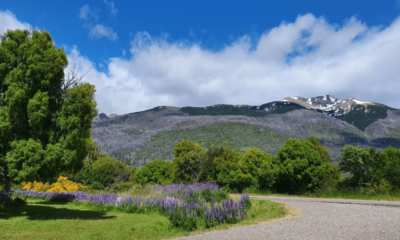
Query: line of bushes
{"type": "Point", "coordinates": [300, 167]}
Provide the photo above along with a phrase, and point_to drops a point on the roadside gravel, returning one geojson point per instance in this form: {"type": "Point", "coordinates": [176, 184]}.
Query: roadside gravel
{"type": "Point", "coordinates": [322, 220]}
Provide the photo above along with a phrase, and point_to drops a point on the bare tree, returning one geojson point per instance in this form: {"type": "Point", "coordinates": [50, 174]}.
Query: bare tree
{"type": "Point", "coordinates": [71, 79]}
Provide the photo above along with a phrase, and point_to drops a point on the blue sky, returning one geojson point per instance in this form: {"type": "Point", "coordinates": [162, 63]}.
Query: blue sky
{"type": "Point", "coordinates": [151, 53]}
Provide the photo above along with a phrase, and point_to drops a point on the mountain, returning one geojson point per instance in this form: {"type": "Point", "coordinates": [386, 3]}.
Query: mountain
{"type": "Point", "coordinates": [140, 137]}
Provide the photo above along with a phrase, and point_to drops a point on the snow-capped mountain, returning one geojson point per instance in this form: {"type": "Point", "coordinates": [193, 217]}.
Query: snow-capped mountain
{"type": "Point", "coordinates": [330, 105]}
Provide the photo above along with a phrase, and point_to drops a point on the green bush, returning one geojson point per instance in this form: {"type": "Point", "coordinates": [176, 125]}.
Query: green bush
{"type": "Point", "coordinates": [107, 171]}
{"type": "Point", "coordinates": [155, 172]}
{"type": "Point", "coordinates": [187, 161]}
{"type": "Point", "coordinates": [301, 168]}
{"type": "Point", "coordinates": [365, 166]}
{"type": "Point", "coordinates": [390, 159]}
{"type": "Point", "coordinates": [226, 170]}
{"type": "Point", "coordinates": [121, 186]}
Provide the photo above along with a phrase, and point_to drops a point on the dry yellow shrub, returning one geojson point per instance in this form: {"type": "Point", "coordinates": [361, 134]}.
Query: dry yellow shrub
{"type": "Point", "coordinates": [62, 185]}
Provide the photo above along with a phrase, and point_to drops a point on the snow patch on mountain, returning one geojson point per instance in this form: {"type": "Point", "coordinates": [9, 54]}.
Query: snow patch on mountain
{"type": "Point", "coordinates": [328, 104]}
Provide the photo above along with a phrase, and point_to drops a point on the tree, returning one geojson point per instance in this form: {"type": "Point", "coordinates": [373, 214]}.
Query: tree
{"type": "Point", "coordinates": [44, 124]}
{"type": "Point", "coordinates": [249, 167]}
{"type": "Point", "coordinates": [187, 161]}
{"type": "Point", "coordinates": [331, 181]}
{"type": "Point", "coordinates": [226, 169]}
{"type": "Point", "coordinates": [363, 164]}
{"type": "Point", "coordinates": [155, 172]}
{"type": "Point", "coordinates": [325, 156]}
{"type": "Point", "coordinates": [301, 168]}
{"type": "Point", "coordinates": [107, 171]}
{"type": "Point", "coordinates": [268, 172]}
{"type": "Point", "coordinates": [391, 166]}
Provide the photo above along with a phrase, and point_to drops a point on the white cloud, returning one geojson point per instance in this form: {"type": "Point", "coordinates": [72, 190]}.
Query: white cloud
{"type": "Point", "coordinates": [100, 31]}
{"type": "Point", "coordinates": [111, 6]}
{"type": "Point", "coordinates": [84, 12]}
{"type": "Point", "coordinates": [8, 21]}
{"type": "Point", "coordinates": [307, 57]}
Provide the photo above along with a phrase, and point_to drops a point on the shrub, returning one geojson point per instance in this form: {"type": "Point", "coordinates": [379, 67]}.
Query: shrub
{"type": "Point", "coordinates": [363, 164]}
{"type": "Point", "coordinates": [187, 161]}
{"type": "Point", "coordinates": [155, 172]}
{"type": "Point", "coordinates": [301, 169]}
{"type": "Point", "coordinates": [226, 169]}
{"type": "Point", "coordinates": [62, 185]}
{"type": "Point", "coordinates": [390, 157]}
{"type": "Point", "coordinates": [107, 171]}
{"type": "Point", "coordinates": [121, 186]}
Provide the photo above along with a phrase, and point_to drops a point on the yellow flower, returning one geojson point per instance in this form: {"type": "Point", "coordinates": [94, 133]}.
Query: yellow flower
{"type": "Point", "coordinates": [27, 186]}
{"type": "Point", "coordinates": [62, 185]}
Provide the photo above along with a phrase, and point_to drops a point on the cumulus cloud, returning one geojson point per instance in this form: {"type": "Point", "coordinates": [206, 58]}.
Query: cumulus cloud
{"type": "Point", "coordinates": [111, 6]}
{"type": "Point", "coordinates": [100, 31]}
{"type": "Point", "coordinates": [307, 57]}
{"type": "Point", "coordinates": [8, 21]}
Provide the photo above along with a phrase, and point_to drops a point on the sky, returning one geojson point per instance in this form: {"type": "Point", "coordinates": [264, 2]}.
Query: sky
{"type": "Point", "coordinates": [143, 54]}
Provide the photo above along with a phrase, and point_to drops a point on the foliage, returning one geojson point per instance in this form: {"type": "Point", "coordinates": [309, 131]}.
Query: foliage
{"type": "Point", "coordinates": [62, 185]}
{"type": "Point", "coordinates": [187, 161]}
{"type": "Point", "coordinates": [323, 152]}
{"type": "Point", "coordinates": [132, 176]}
{"type": "Point", "coordinates": [44, 123]}
{"type": "Point", "coordinates": [390, 158]}
{"type": "Point", "coordinates": [268, 173]}
{"type": "Point", "coordinates": [301, 169]}
{"type": "Point", "coordinates": [257, 168]}
{"type": "Point", "coordinates": [226, 169]}
{"type": "Point", "coordinates": [107, 170]}
{"type": "Point", "coordinates": [363, 164]}
{"type": "Point", "coordinates": [155, 172]}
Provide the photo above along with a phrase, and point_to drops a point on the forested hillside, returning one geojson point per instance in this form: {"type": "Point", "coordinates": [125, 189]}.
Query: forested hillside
{"type": "Point", "coordinates": [141, 137]}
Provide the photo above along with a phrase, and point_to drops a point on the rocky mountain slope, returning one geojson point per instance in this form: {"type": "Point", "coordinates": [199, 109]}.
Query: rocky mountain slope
{"type": "Point", "coordinates": [140, 137]}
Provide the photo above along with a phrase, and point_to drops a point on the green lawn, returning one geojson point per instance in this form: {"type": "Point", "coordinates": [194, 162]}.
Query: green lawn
{"type": "Point", "coordinates": [392, 196]}
{"type": "Point", "coordinates": [53, 220]}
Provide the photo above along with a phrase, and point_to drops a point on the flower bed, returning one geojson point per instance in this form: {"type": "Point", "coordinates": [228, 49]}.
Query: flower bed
{"type": "Point", "coordinates": [184, 205]}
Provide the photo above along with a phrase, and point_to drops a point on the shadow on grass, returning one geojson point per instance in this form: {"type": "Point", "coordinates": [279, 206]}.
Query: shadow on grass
{"type": "Point", "coordinates": [45, 211]}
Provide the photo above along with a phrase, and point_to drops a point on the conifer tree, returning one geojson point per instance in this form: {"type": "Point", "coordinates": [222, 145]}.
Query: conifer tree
{"type": "Point", "coordinates": [45, 119]}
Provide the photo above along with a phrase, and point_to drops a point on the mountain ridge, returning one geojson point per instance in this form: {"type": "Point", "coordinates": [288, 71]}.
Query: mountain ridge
{"type": "Point", "coordinates": [139, 137]}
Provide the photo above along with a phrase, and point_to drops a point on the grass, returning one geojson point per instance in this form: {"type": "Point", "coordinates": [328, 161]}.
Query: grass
{"type": "Point", "coordinates": [335, 194]}
{"type": "Point", "coordinates": [393, 196]}
{"type": "Point", "coordinates": [41, 219]}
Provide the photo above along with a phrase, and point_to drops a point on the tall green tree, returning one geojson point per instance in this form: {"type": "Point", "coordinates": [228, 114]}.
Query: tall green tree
{"type": "Point", "coordinates": [301, 168]}
{"type": "Point", "coordinates": [323, 152]}
{"type": "Point", "coordinates": [363, 164]}
{"type": "Point", "coordinates": [45, 119]}
{"type": "Point", "coordinates": [187, 161]}
{"type": "Point", "coordinates": [226, 169]}
{"type": "Point", "coordinates": [390, 161]}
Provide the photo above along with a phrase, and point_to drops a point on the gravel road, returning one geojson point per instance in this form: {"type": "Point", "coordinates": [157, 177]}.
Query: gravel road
{"type": "Point", "coordinates": [338, 219]}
